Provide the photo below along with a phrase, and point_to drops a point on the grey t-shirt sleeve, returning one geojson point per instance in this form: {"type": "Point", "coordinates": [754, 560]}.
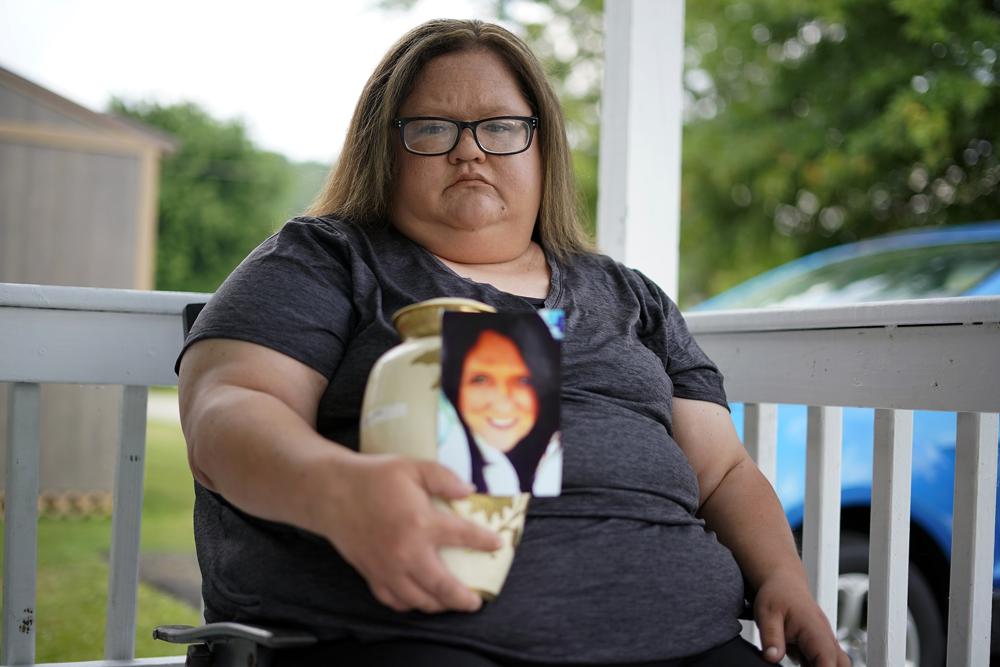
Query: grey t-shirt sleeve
{"type": "Point", "coordinates": [291, 294]}
{"type": "Point", "coordinates": [692, 373]}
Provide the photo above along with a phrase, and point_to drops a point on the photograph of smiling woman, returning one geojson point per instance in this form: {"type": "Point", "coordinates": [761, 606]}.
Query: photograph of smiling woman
{"type": "Point", "coordinates": [530, 335]}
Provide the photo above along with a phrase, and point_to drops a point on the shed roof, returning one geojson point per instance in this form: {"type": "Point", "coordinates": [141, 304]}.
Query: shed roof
{"type": "Point", "coordinates": [101, 123]}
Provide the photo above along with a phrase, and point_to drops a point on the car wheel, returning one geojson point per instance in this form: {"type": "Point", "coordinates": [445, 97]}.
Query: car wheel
{"type": "Point", "coordinates": [925, 636]}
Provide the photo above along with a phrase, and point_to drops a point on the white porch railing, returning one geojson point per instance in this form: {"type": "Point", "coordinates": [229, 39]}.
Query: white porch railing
{"type": "Point", "coordinates": [87, 336]}
{"type": "Point", "coordinates": [898, 357]}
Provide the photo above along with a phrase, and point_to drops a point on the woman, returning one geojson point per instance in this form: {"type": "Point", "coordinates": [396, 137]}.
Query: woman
{"type": "Point", "coordinates": [294, 527]}
{"type": "Point", "coordinates": [501, 375]}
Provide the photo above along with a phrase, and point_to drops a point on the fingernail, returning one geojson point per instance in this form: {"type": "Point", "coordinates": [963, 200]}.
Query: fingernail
{"type": "Point", "coordinates": [772, 653]}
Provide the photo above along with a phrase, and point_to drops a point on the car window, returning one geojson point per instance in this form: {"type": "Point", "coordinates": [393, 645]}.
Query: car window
{"type": "Point", "coordinates": [908, 273]}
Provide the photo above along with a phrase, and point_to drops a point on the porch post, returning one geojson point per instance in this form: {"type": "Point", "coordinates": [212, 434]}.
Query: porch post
{"type": "Point", "coordinates": [638, 203]}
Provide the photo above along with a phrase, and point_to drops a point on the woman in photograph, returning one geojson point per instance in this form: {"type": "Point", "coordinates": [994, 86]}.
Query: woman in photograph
{"type": "Point", "coordinates": [455, 180]}
{"type": "Point", "coordinates": [500, 374]}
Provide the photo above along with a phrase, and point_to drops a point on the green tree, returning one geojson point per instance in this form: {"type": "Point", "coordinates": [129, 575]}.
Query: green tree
{"type": "Point", "coordinates": [817, 123]}
{"type": "Point", "coordinates": [809, 124]}
{"type": "Point", "coordinates": [570, 44]}
{"type": "Point", "coordinates": [219, 195]}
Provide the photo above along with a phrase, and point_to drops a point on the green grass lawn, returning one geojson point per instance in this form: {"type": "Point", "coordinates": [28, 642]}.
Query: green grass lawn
{"type": "Point", "coordinates": [73, 569]}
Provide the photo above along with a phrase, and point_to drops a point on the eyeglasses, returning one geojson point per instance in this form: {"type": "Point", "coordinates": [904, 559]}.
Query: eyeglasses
{"type": "Point", "coordinates": [501, 135]}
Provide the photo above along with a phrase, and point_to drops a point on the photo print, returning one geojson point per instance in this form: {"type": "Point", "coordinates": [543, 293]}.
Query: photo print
{"type": "Point", "coordinates": [498, 417]}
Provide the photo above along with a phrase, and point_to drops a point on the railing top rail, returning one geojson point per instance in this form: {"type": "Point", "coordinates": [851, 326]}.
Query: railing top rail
{"type": "Point", "coordinates": [953, 310]}
{"type": "Point", "coordinates": [89, 335]}
{"type": "Point", "coordinates": [102, 299]}
{"type": "Point", "coordinates": [915, 355]}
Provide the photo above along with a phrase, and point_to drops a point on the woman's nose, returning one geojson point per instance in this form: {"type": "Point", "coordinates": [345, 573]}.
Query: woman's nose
{"type": "Point", "coordinates": [467, 149]}
{"type": "Point", "coordinates": [502, 400]}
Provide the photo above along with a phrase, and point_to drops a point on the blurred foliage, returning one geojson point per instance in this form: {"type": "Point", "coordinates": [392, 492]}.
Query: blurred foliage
{"type": "Point", "coordinates": [571, 46]}
{"type": "Point", "coordinates": [219, 195]}
{"type": "Point", "coordinates": [808, 124]}
{"type": "Point", "coordinates": [816, 123]}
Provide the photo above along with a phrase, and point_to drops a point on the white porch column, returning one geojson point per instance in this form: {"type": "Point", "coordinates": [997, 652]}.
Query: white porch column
{"type": "Point", "coordinates": [638, 203]}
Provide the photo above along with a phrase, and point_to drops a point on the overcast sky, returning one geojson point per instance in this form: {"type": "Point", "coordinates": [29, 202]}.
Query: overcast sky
{"type": "Point", "coordinates": [291, 70]}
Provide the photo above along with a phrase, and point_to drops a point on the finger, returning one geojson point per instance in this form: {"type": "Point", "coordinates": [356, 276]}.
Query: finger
{"type": "Point", "coordinates": [409, 591]}
{"type": "Point", "coordinates": [404, 595]}
{"type": "Point", "coordinates": [386, 597]}
{"type": "Point", "coordinates": [442, 482]}
{"type": "Point", "coordinates": [772, 634]}
{"type": "Point", "coordinates": [445, 588]}
{"type": "Point", "coordinates": [829, 655]}
{"type": "Point", "coordinates": [821, 660]}
{"type": "Point", "coordinates": [794, 655]}
{"type": "Point", "coordinates": [454, 531]}
{"type": "Point", "coordinates": [816, 642]}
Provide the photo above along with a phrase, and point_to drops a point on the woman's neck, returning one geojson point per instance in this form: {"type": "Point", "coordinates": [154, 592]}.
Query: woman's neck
{"type": "Point", "coordinates": [526, 275]}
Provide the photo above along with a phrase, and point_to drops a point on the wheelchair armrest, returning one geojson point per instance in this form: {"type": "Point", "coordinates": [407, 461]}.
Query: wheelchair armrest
{"type": "Point", "coordinates": [231, 644]}
{"type": "Point", "coordinates": [213, 632]}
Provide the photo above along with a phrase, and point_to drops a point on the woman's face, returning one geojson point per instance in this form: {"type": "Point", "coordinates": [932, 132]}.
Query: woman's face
{"type": "Point", "coordinates": [495, 397]}
{"type": "Point", "coordinates": [467, 206]}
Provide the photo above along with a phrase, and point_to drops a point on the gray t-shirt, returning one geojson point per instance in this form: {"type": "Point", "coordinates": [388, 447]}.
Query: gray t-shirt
{"type": "Point", "coordinates": [616, 569]}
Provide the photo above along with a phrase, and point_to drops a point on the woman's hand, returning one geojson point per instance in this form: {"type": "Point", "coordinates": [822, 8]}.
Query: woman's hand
{"type": "Point", "coordinates": [382, 521]}
{"type": "Point", "coordinates": [786, 614]}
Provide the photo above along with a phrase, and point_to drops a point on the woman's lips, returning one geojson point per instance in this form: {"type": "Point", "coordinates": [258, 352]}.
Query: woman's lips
{"type": "Point", "coordinates": [471, 180]}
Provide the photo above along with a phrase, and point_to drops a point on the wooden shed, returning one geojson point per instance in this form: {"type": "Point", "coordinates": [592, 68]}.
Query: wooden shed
{"type": "Point", "coordinates": [78, 202]}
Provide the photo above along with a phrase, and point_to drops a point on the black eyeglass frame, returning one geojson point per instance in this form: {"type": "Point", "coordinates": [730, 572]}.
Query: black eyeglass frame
{"type": "Point", "coordinates": [462, 124]}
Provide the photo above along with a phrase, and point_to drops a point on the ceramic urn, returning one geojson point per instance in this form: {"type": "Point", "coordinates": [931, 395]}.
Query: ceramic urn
{"type": "Point", "coordinates": [399, 416]}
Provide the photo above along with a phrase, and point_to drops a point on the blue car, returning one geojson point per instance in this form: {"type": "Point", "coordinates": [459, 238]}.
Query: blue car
{"type": "Point", "coordinates": [927, 263]}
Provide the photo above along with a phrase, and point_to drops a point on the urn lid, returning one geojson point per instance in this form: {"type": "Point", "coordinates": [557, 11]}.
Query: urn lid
{"type": "Point", "coordinates": [424, 318]}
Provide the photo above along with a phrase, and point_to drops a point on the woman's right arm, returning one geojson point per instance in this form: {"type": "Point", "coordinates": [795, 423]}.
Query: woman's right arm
{"type": "Point", "coordinates": [249, 414]}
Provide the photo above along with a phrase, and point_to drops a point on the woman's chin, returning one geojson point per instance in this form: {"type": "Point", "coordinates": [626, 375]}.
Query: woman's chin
{"type": "Point", "coordinates": [476, 218]}
{"type": "Point", "coordinates": [504, 446]}
{"type": "Point", "coordinates": [503, 441]}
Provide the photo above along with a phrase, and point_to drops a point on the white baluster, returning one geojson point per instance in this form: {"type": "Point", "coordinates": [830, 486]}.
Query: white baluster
{"type": "Point", "coordinates": [20, 544]}
{"type": "Point", "coordinates": [971, 585]}
{"type": "Point", "coordinates": [123, 583]}
{"type": "Point", "coordinates": [760, 433]}
{"type": "Point", "coordinates": [821, 529]}
{"type": "Point", "coordinates": [890, 537]}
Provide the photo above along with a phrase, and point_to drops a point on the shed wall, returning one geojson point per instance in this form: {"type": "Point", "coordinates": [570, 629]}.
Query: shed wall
{"type": "Point", "coordinates": [68, 217]}
{"type": "Point", "coordinates": [77, 207]}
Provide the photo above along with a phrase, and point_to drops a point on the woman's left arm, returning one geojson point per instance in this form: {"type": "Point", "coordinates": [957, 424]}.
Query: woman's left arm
{"type": "Point", "coordinates": [737, 502]}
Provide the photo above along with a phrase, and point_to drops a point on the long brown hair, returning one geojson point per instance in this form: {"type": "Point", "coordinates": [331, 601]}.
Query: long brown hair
{"type": "Point", "coordinates": [359, 188]}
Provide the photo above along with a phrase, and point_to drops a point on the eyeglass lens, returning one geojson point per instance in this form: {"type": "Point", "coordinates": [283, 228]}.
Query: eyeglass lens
{"type": "Point", "coordinates": [495, 135]}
